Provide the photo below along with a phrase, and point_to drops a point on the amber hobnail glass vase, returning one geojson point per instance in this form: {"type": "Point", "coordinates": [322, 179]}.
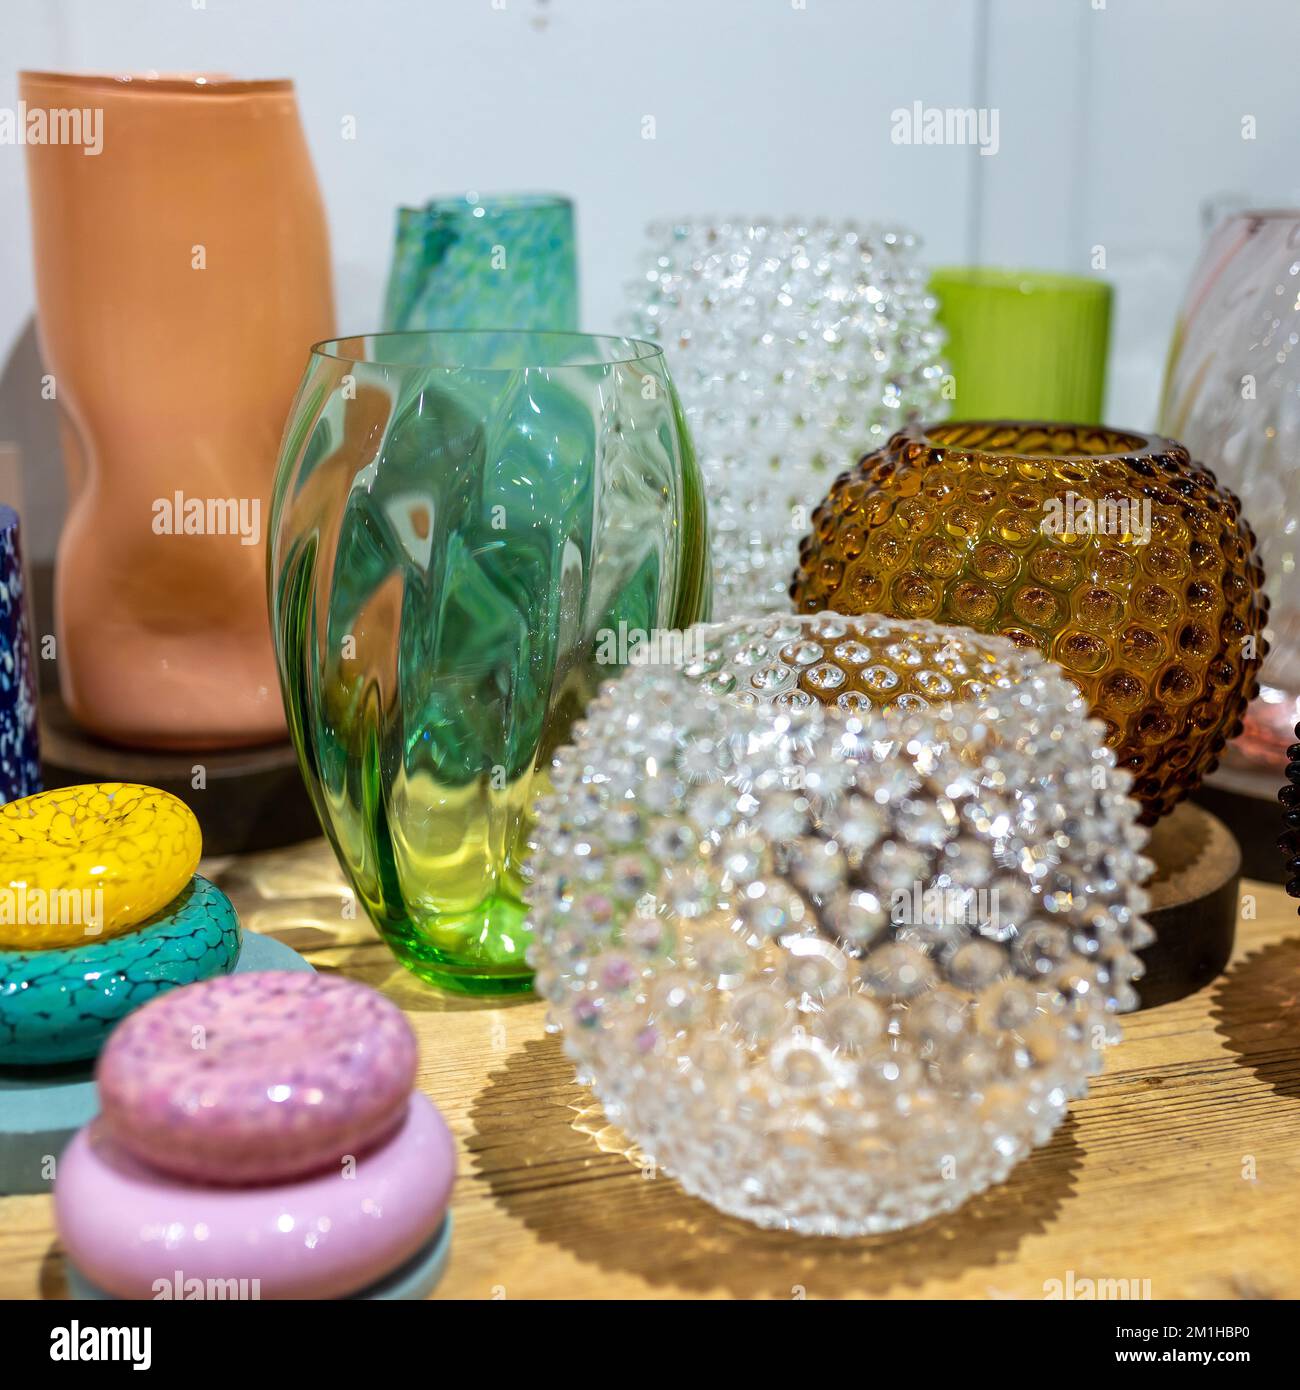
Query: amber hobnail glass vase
{"type": "Point", "coordinates": [1111, 552]}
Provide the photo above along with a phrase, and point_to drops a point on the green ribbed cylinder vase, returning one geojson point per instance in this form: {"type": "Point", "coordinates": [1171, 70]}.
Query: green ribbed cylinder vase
{"type": "Point", "coordinates": [1024, 344]}
{"type": "Point", "coordinates": [469, 532]}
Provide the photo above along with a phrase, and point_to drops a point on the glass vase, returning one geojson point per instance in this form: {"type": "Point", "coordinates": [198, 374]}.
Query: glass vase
{"type": "Point", "coordinates": [1232, 394]}
{"type": "Point", "coordinates": [508, 262]}
{"type": "Point", "coordinates": [20, 747]}
{"type": "Point", "coordinates": [798, 347]}
{"type": "Point", "coordinates": [180, 272]}
{"type": "Point", "coordinates": [1112, 553]}
{"type": "Point", "coordinates": [471, 532]}
{"type": "Point", "coordinates": [1024, 344]}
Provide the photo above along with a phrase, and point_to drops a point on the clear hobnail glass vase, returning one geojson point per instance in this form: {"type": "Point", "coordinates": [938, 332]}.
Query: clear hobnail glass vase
{"type": "Point", "coordinates": [744, 971]}
{"type": "Point", "coordinates": [471, 532]}
{"type": "Point", "coordinates": [1232, 395]}
{"type": "Point", "coordinates": [797, 348]}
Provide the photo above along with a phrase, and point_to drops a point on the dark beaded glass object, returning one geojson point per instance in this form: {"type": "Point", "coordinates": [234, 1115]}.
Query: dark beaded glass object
{"type": "Point", "coordinates": [1289, 841]}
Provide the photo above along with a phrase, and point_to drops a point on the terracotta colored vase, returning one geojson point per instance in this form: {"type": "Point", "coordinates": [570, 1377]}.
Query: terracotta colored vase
{"type": "Point", "coordinates": [182, 268]}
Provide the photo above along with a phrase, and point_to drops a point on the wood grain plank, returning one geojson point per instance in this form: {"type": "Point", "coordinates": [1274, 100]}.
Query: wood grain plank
{"type": "Point", "coordinates": [1181, 1167]}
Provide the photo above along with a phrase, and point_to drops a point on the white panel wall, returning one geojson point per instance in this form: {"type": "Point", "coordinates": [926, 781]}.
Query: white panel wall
{"type": "Point", "coordinates": [1115, 121]}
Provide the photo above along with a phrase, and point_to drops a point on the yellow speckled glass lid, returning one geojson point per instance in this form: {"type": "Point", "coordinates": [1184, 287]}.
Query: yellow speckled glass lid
{"type": "Point", "coordinates": [84, 864]}
{"type": "Point", "coordinates": [1109, 551]}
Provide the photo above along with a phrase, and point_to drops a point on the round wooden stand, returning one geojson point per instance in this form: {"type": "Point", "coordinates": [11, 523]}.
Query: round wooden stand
{"type": "Point", "coordinates": [1194, 903]}
{"type": "Point", "coordinates": [252, 798]}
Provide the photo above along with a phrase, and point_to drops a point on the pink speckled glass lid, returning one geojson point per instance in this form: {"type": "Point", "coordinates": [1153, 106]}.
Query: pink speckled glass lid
{"type": "Point", "coordinates": [257, 1078]}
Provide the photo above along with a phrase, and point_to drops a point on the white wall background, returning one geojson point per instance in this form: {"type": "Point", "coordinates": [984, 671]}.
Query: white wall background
{"type": "Point", "coordinates": [1117, 118]}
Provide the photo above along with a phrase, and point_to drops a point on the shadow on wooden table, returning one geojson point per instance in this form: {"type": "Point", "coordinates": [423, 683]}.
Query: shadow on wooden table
{"type": "Point", "coordinates": [1257, 1010]}
{"type": "Point", "coordinates": [52, 1281]}
{"type": "Point", "coordinates": [533, 1144]}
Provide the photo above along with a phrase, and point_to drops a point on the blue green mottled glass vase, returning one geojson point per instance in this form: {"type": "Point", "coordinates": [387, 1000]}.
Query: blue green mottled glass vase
{"type": "Point", "coordinates": [460, 523]}
{"type": "Point", "coordinates": [489, 263]}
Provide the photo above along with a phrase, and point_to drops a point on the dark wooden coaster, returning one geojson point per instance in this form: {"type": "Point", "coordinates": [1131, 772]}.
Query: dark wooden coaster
{"type": "Point", "coordinates": [1194, 904]}
{"type": "Point", "coordinates": [253, 798]}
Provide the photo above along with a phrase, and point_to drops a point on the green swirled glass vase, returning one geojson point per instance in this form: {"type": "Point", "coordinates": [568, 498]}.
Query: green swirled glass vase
{"type": "Point", "coordinates": [466, 527]}
{"type": "Point", "coordinates": [507, 262]}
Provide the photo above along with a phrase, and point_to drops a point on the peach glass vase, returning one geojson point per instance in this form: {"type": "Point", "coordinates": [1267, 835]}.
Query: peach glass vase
{"type": "Point", "coordinates": [181, 272]}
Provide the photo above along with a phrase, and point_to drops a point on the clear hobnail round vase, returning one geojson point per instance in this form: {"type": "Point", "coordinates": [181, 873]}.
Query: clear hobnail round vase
{"type": "Point", "coordinates": [1232, 395]}
{"type": "Point", "coordinates": [727, 894]}
{"type": "Point", "coordinates": [797, 348]}
{"type": "Point", "coordinates": [471, 532]}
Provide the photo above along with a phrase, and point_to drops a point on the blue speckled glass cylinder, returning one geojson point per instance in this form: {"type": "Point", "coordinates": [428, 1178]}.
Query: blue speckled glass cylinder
{"type": "Point", "coordinates": [20, 756]}
{"type": "Point", "coordinates": [484, 263]}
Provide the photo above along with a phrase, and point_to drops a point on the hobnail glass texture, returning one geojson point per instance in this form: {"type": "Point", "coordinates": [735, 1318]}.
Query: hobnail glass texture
{"type": "Point", "coordinates": [466, 526]}
{"type": "Point", "coordinates": [796, 347]}
{"type": "Point", "coordinates": [1018, 528]}
{"type": "Point", "coordinates": [506, 262]}
{"type": "Point", "coordinates": [1232, 394]}
{"type": "Point", "coordinates": [838, 970]}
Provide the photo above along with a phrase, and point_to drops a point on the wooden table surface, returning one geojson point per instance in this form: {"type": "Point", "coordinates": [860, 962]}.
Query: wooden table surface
{"type": "Point", "coordinates": [1182, 1166]}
